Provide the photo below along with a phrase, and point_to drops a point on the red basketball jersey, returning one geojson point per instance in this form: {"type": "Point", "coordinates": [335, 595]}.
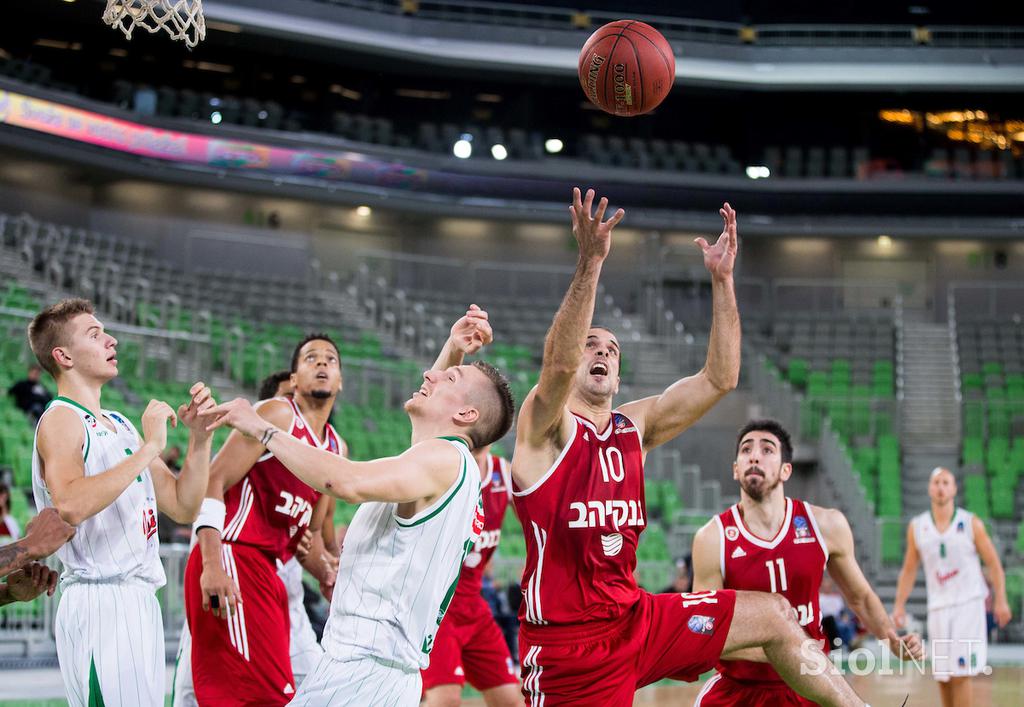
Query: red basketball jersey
{"type": "Point", "coordinates": [270, 507]}
{"type": "Point", "coordinates": [495, 493]}
{"type": "Point", "coordinates": [582, 522]}
{"type": "Point", "coordinates": [790, 564]}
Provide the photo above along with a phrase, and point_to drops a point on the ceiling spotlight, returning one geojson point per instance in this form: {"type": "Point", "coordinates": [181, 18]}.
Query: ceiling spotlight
{"type": "Point", "coordinates": [758, 171]}
{"type": "Point", "coordinates": [884, 242]}
{"type": "Point", "coordinates": [462, 149]}
{"type": "Point", "coordinates": [499, 152]}
{"type": "Point", "coordinates": [215, 117]}
{"type": "Point", "coordinates": [553, 145]}
{"type": "Point", "coordinates": [363, 211]}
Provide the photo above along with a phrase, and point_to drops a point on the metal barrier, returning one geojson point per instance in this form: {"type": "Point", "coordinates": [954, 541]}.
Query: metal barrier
{"type": "Point", "coordinates": [26, 628]}
{"type": "Point", "coordinates": [986, 300]}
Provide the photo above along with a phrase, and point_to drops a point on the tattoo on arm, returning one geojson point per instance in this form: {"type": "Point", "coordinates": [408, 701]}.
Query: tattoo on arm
{"type": "Point", "coordinates": [13, 557]}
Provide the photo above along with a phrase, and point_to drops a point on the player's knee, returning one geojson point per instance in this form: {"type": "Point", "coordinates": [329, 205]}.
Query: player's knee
{"type": "Point", "coordinates": [444, 696]}
{"type": "Point", "coordinates": [779, 611]}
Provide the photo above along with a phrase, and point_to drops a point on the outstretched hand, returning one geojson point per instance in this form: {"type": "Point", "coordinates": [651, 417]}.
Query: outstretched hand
{"type": "Point", "coordinates": [720, 258]}
{"type": "Point", "coordinates": [592, 233]}
{"type": "Point", "coordinates": [239, 414]}
{"type": "Point", "coordinates": [201, 400]}
{"type": "Point", "coordinates": [472, 331]}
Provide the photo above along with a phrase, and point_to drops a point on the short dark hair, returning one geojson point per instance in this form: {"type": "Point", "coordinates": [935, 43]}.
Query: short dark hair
{"type": "Point", "coordinates": [316, 336]}
{"type": "Point", "coordinates": [492, 426]}
{"type": "Point", "coordinates": [48, 330]}
{"type": "Point", "coordinates": [772, 427]}
{"type": "Point", "coordinates": [268, 388]}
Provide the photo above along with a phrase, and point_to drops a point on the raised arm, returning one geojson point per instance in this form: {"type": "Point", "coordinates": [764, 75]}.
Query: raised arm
{"type": "Point", "coordinates": [60, 441]}
{"type": "Point", "coordinates": [987, 552]}
{"type": "Point", "coordinates": [707, 562]}
{"type": "Point", "coordinates": [544, 421]}
{"type": "Point", "coordinates": [860, 597]}
{"type": "Point", "coordinates": [422, 473]}
{"type": "Point", "coordinates": [180, 497]}
{"type": "Point", "coordinates": [905, 583]}
{"type": "Point", "coordinates": [663, 417]}
{"type": "Point", "coordinates": [468, 335]}
{"type": "Point", "coordinates": [231, 464]}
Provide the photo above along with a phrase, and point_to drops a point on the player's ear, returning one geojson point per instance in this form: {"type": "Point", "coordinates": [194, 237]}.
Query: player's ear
{"type": "Point", "coordinates": [466, 416]}
{"type": "Point", "coordinates": [736, 470]}
{"type": "Point", "coordinates": [62, 356]}
{"type": "Point", "coordinates": [786, 471]}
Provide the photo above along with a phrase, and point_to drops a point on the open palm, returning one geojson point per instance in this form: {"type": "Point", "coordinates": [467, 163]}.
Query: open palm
{"type": "Point", "coordinates": [720, 258]}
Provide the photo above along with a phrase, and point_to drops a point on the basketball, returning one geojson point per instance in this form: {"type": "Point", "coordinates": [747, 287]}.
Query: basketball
{"type": "Point", "coordinates": [627, 68]}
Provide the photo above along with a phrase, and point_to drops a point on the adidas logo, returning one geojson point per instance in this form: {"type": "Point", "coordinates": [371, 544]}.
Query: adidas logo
{"type": "Point", "coordinates": [738, 552]}
{"type": "Point", "coordinates": [586, 436]}
{"type": "Point", "coordinates": [288, 689]}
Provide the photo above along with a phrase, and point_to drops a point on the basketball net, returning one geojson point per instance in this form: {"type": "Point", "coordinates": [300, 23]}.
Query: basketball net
{"type": "Point", "coordinates": [181, 19]}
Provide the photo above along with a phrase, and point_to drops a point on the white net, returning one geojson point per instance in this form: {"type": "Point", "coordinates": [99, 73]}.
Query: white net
{"type": "Point", "coordinates": [181, 19]}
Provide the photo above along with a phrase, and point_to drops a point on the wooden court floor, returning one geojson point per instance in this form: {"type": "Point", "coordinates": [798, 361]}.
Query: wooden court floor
{"type": "Point", "coordinates": [1004, 688]}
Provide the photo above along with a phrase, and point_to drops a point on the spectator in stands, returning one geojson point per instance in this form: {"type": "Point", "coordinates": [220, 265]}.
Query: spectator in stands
{"type": "Point", "coordinates": [683, 581]}
{"type": "Point", "coordinates": [43, 536]}
{"type": "Point", "coordinates": [30, 395]}
{"type": "Point", "coordinates": [9, 527]}
{"type": "Point", "coordinates": [172, 458]}
{"type": "Point", "coordinates": [838, 622]}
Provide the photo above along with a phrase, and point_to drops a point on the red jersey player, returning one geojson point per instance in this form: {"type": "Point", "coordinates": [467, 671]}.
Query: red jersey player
{"type": "Point", "coordinates": [770, 543]}
{"type": "Point", "coordinates": [245, 659]}
{"type": "Point", "coordinates": [469, 644]}
{"type": "Point", "coordinates": [589, 634]}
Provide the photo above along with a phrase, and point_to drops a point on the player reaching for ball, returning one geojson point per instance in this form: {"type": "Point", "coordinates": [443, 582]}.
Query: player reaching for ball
{"type": "Point", "coordinates": [770, 543]}
{"type": "Point", "coordinates": [589, 634]}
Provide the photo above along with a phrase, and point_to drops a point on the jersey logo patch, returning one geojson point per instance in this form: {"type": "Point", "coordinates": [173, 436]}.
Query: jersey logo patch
{"type": "Point", "coordinates": [701, 625]}
{"type": "Point", "coordinates": [738, 552]}
{"type": "Point", "coordinates": [800, 529]}
{"type": "Point", "coordinates": [460, 672]}
{"type": "Point", "coordinates": [611, 544]}
{"type": "Point", "coordinates": [960, 527]}
{"type": "Point", "coordinates": [148, 523]}
{"type": "Point", "coordinates": [288, 689]}
{"type": "Point", "coordinates": [732, 533]}
{"type": "Point", "coordinates": [120, 420]}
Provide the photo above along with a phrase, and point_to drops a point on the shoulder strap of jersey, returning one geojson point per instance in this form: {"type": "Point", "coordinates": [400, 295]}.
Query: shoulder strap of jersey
{"type": "Point", "coordinates": [505, 469]}
{"type": "Point", "coordinates": [806, 507]}
{"type": "Point", "coordinates": [81, 411]}
{"type": "Point", "coordinates": [721, 542]}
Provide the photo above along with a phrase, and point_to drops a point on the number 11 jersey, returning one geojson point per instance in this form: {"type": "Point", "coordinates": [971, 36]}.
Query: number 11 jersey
{"type": "Point", "coordinates": [791, 564]}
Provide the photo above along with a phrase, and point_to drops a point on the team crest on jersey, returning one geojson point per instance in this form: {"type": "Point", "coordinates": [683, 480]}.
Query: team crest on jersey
{"type": "Point", "coordinates": [497, 482]}
{"type": "Point", "coordinates": [91, 420]}
{"type": "Point", "coordinates": [732, 533]}
{"type": "Point", "coordinates": [960, 527]}
{"type": "Point", "coordinates": [701, 625]}
{"type": "Point", "coordinates": [622, 424]}
{"type": "Point", "coordinates": [611, 544]}
{"type": "Point", "coordinates": [800, 529]}
{"type": "Point", "coordinates": [332, 445]}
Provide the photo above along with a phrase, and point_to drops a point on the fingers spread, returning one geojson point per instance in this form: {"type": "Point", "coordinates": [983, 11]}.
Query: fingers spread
{"type": "Point", "coordinates": [602, 205]}
{"type": "Point", "coordinates": [616, 217]}
{"type": "Point", "coordinates": [702, 243]}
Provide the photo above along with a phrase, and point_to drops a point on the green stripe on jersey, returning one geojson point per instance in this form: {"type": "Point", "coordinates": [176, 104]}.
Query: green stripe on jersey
{"type": "Point", "coordinates": [444, 504]}
{"type": "Point", "coordinates": [95, 695]}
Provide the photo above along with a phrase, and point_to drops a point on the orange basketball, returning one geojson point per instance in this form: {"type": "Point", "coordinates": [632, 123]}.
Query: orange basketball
{"type": "Point", "coordinates": [627, 68]}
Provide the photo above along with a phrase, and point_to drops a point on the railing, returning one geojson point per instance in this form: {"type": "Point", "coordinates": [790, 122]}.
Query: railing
{"type": "Point", "coordinates": [26, 628]}
{"type": "Point", "coordinates": [538, 16]}
{"type": "Point", "coordinates": [985, 300]}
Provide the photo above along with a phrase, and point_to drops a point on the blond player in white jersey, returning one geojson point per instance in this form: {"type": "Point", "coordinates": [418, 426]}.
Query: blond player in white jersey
{"type": "Point", "coordinates": [92, 466]}
{"type": "Point", "coordinates": [948, 541]}
{"type": "Point", "coordinates": [403, 551]}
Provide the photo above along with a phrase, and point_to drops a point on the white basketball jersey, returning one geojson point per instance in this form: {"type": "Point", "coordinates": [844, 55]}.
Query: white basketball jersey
{"type": "Point", "coordinates": [950, 560]}
{"type": "Point", "coordinates": [120, 542]}
{"type": "Point", "coordinates": [397, 575]}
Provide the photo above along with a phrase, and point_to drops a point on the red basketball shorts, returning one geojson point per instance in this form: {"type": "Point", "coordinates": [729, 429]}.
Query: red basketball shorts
{"type": "Point", "coordinates": [723, 691]}
{"type": "Point", "coordinates": [469, 646]}
{"type": "Point", "coordinates": [244, 659]}
{"type": "Point", "coordinates": [677, 636]}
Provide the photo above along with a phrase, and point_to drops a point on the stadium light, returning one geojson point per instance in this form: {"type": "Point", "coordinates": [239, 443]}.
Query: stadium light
{"type": "Point", "coordinates": [462, 149]}
{"type": "Point", "coordinates": [363, 211]}
{"type": "Point", "coordinates": [758, 171]}
{"type": "Point", "coordinates": [499, 152]}
{"type": "Point", "coordinates": [215, 117]}
{"type": "Point", "coordinates": [553, 145]}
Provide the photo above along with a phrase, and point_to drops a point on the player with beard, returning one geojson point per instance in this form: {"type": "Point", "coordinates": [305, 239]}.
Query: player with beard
{"type": "Point", "coordinates": [771, 543]}
{"type": "Point", "coordinates": [589, 634]}
{"type": "Point", "coordinates": [254, 515]}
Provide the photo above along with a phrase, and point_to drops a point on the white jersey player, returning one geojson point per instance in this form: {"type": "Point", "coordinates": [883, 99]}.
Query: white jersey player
{"type": "Point", "coordinates": [93, 467]}
{"type": "Point", "coordinates": [948, 541]}
{"type": "Point", "coordinates": [403, 551]}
